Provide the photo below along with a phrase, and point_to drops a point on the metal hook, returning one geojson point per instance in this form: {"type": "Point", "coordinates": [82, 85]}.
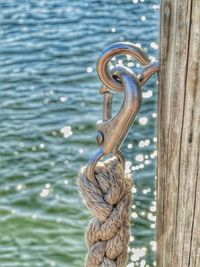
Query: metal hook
{"type": "Point", "coordinates": [126, 49]}
{"type": "Point", "coordinates": [112, 131]}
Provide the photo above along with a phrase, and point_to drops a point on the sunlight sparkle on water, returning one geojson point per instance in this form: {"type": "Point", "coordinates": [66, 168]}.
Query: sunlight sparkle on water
{"type": "Point", "coordinates": [153, 208]}
{"type": "Point", "coordinates": [120, 63]}
{"type": "Point", "coordinates": [139, 157]}
{"type": "Point", "coordinates": [144, 143]}
{"type": "Point", "coordinates": [130, 146]}
{"type": "Point", "coordinates": [46, 190]}
{"type": "Point", "coordinates": [143, 213]}
{"type": "Point", "coordinates": [13, 211]}
{"type": "Point", "coordinates": [41, 146]}
{"type": "Point", "coordinates": [34, 216]}
{"type": "Point", "coordinates": [154, 115]}
{"type": "Point", "coordinates": [128, 165]}
{"type": "Point", "coordinates": [151, 217]}
{"type": "Point", "coordinates": [145, 191]}
{"type": "Point", "coordinates": [81, 127]}
{"type": "Point", "coordinates": [137, 167]}
{"type": "Point", "coordinates": [19, 187]}
{"type": "Point", "coordinates": [137, 65]}
{"type": "Point", "coordinates": [143, 120]}
{"type": "Point", "coordinates": [130, 64]}
{"type": "Point", "coordinates": [89, 69]}
{"type": "Point", "coordinates": [141, 166]}
{"type": "Point", "coordinates": [54, 133]}
{"type": "Point", "coordinates": [134, 215]}
{"type": "Point", "coordinates": [81, 151]}
{"type": "Point", "coordinates": [66, 131]}
{"type": "Point", "coordinates": [154, 154]}
{"type": "Point", "coordinates": [34, 148]}
{"type": "Point", "coordinates": [156, 6]}
{"type": "Point", "coordinates": [134, 190]}
{"type": "Point", "coordinates": [153, 245]}
{"type": "Point", "coordinates": [138, 45]}
{"type": "Point", "coordinates": [153, 59]}
{"type": "Point", "coordinates": [63, 98]}
{"type": "Point", "coordinates": [147, 94]}
{"type": "Point", "coordinates": [138, 253]}
{"type": "Point", "coordinates": [154, 45]}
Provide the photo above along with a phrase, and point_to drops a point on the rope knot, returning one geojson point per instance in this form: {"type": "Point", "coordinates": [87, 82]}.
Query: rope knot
{"type": "Point", "coordinates": [108, 198]}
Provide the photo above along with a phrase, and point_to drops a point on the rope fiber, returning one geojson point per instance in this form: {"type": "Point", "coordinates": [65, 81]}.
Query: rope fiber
{"type": "Point", "coordinates": [109, 199]}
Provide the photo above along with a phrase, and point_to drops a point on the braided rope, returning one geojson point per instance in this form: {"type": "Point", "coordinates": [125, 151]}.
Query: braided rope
{"type": "Point", "coordinates": [108, 198]}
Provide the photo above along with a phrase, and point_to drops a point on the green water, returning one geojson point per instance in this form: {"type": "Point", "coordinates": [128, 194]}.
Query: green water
{"type": "Point", "coordinates": [49, 107]}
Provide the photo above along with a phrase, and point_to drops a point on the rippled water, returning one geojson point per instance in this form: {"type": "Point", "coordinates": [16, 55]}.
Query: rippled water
{"type": "Point", "coordinates": [49, 107]}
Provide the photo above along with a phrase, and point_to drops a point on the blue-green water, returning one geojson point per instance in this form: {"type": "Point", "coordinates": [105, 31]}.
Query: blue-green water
{"type": "Point", "coordinates": [49, 107]}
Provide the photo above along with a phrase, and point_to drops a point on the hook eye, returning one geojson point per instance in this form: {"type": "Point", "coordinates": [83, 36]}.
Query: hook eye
{"type": "Point", "coordinates": [109, 52]}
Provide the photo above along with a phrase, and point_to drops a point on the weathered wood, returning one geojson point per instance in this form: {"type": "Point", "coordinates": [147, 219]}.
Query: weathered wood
{"type": "Point", "coordinates": [178, 187]}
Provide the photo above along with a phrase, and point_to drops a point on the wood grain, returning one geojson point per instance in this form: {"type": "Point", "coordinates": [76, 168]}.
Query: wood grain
{"type": "Point", "coordinates": [178, 186]}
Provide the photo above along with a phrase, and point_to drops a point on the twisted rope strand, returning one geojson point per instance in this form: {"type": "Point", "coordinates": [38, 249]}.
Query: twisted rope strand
{"type": "Point", "coordinates": [109, 199]}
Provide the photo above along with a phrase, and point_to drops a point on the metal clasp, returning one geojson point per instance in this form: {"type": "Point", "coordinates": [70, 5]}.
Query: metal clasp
{"type": "Point", "coordinates": [113, 130]}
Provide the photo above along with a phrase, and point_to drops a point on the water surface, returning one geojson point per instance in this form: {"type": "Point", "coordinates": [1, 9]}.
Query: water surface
{"type": "Point", "coordinates": [49, 107]}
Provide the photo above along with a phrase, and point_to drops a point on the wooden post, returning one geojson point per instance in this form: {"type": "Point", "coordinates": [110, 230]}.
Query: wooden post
{"type": "Point", "coordinates": [178, 187]}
